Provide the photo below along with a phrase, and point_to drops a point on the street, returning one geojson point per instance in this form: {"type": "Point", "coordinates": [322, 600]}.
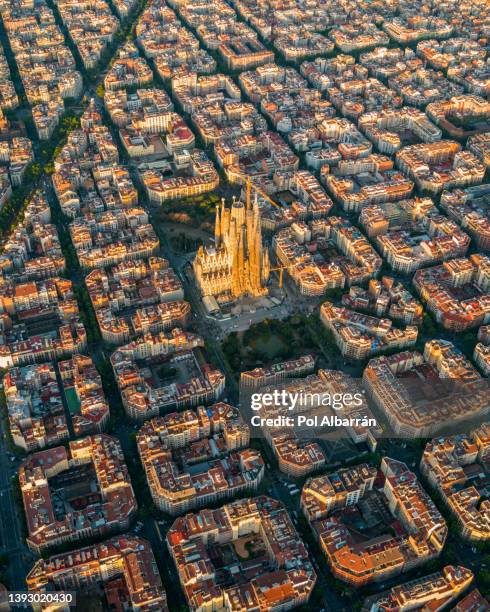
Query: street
{"type": "Point", "coordinates": [20, 558]}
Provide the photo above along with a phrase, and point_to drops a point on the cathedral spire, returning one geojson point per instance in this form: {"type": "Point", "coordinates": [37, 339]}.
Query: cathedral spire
{"type": "Point", "coordinates": [217, 228]}
{"type": "Point", "coordinates": [239, 265]}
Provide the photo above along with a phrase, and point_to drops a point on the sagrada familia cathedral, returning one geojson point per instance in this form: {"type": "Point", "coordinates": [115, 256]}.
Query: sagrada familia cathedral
{"type": "Point", "coordinates": [238, 265]}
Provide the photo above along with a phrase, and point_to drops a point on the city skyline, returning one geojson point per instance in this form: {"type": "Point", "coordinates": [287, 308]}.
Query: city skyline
{"type": "Point", "coordinates": [245, 305]}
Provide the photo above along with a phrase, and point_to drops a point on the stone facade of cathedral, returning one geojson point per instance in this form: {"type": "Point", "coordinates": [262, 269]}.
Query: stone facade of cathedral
{"type": "Point", "coordinates": [238, 264]}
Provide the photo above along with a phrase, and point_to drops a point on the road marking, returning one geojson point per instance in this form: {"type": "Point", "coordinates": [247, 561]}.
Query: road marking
{"type": "Point", "coordinates": [158, 531]}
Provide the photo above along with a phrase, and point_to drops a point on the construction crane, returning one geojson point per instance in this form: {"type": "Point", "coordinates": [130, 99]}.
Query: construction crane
{"type": "Point", "coordinates": [250, 186]}
{"type": "Point", "coordinates": [280, 269]}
